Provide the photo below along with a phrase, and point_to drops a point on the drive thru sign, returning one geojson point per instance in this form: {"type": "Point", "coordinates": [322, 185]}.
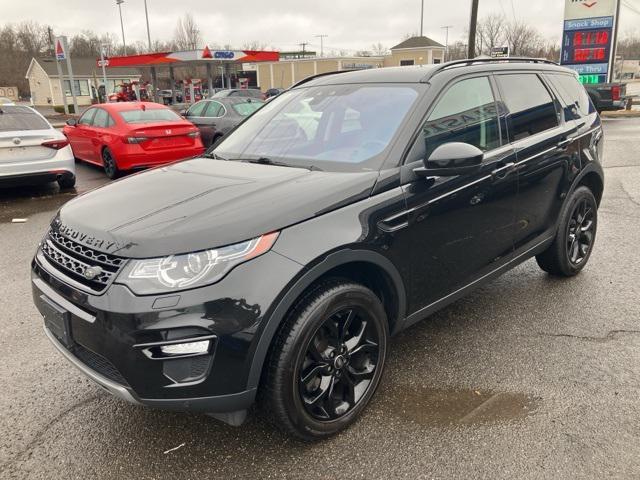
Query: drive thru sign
{"type": "Point", "coordinates": [60, 54]}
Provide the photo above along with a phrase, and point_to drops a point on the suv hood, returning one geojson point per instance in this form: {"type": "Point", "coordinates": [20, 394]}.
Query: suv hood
{"type": "Point", "coordinates": [203, 203]}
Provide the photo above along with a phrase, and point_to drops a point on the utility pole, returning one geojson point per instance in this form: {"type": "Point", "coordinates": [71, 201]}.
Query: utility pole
{"type": "Point", "coordinates": [304, 46]}
{"type": "Point", "coordinates": [146, 15]}
{"type": "Point", "coordinates": [446, 41]}
{"type": "Point", "coordinates": [124, 44]}
{"type": "Point", "coordinates": [321, 37]}
{"type": "Point", "coordinates": [421, 17]}
{"type": "Point", "coordinates": [472, 29]}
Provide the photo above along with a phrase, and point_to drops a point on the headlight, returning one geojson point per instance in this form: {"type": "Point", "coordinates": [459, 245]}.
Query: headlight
{"type": "Point", "coordinates": [191, 270]}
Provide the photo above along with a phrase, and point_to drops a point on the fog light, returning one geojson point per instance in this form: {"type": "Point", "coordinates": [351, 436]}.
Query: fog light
{"type": "Point", "coordinates": [191, 348]}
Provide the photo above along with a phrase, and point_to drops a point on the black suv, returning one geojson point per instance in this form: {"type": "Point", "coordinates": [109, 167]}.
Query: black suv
{"type": "Point", "coordinates": [353, 205]}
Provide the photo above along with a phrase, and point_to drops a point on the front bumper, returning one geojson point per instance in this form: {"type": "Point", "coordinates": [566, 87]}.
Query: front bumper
{"type": "Point", "coordinates": [107, 331]}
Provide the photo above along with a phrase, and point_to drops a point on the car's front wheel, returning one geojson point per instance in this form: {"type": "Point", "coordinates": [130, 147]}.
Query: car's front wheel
{"type": "Point", "coordinates": [572, 247]}
{"type": "Point", "coordinates": [326, 361]}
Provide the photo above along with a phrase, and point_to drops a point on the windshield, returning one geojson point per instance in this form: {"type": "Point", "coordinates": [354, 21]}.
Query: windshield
{"type": "Point", "coordinates": [332, 127]}
{"type": "Point", "coordinates": [13, 118]}
{"type": "Point", "coordinates": [149, 115]}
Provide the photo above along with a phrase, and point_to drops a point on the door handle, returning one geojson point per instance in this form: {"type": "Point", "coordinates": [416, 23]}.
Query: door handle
{"type": "Point", "coordinates": [503, 170]}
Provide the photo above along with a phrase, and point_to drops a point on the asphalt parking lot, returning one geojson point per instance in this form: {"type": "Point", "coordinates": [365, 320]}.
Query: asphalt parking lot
{"type": "Point", "coordinates": [529, 377]}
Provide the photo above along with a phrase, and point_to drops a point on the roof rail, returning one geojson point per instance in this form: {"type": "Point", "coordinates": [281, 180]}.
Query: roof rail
{"type": "Point", "coordinates": [317, 75]}
{"type": "Point", "coordinates": [471, 61]}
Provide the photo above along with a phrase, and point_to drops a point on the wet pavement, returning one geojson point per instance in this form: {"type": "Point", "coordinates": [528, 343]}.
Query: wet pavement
{"type": "Point", "coordinates": [529, 377]}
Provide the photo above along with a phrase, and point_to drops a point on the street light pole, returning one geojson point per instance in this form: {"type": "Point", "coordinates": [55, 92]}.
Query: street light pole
{"type": "Point", "coordinates": [146, 15]}
{"type": "Point", "coordinates": [446, 42]}
{"type": "Point", "coordinates": [124, 44]}
{"type": "Point", "coordinates": [472, 29]}
{"type": "Point", "coordinates": [421, 17]}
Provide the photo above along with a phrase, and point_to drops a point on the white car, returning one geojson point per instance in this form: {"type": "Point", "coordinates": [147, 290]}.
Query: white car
{"type": "Point", "coordinates": [32, 151]}
{"type": "Point", "coordinates": [6, 101]}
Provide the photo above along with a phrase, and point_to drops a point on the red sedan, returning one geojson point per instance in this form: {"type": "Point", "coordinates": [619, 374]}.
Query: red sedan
{"type": "Point", "coordinates": [130, 135]}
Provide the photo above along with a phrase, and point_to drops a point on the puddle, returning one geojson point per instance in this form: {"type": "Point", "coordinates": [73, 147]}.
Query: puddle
{"type": "Point", "coordinates": [427, 406]}
{"type": "Point", "coordinates": [27, 206]}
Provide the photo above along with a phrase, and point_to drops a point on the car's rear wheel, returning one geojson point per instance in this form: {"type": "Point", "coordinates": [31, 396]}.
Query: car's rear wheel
{"type": "Point", "coordinates": [110, 164]}
{"type": "Point", "coordinates": [326, 361]}
{"type": "Point", "coordinates": [67, 181]}
{"type": "Point", "coordinates": [572, 247]}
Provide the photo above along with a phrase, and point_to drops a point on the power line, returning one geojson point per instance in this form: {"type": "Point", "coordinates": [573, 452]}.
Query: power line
{"type": "Point", "coordinates": [630, 7]}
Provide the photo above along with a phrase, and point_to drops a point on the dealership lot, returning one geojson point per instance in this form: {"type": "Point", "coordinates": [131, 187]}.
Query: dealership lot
{"type": "Point", "coordinates": [529, 377]}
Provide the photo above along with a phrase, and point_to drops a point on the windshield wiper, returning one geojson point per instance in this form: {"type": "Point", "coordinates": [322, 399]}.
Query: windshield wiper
{"type": "Point", "coordinates": [213, 155]}
{"type": "Point", "coordinates": [268, 161]}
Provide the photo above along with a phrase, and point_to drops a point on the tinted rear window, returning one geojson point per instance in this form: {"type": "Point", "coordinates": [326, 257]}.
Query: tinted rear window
{"type": "Point", "coordinates": [20, 118]}
{"type": "Point", "coordinates": [245, 109]}
{"type": "Point", "coordinates": [573, 93]}
{"type": "Point", "coordinates": [149, 115]}
{"type": "Point", "coordinates": [531, 107]}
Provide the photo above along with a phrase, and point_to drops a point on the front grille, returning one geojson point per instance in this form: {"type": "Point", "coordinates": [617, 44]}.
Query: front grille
{"type": "Point", "coordinates": [73, 259]}
{"type": "Point", "coordinates": [99, 364]}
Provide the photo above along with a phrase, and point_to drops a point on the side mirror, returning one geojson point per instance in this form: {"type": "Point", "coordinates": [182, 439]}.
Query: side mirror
{"type": "Point", "coordinates": [451, 159]}
{"type": "Point", "coordinates": [184, 113]}
{"type": "Point", "coordinates": [72, 122]}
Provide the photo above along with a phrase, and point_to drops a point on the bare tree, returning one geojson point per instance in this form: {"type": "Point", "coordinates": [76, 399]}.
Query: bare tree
{"type": "Point", "coordinates": [187, 34]}
{"type": "Point", "coordinates": [379, 50]}
{"type": "Point", "coordinates": [254, 45]}
{"type": "Point", "coordinates": [522, 39]}
{"type": "Point", "coordinates": [492, 32]}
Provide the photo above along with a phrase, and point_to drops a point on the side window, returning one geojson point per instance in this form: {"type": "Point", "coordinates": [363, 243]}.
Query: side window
{"type": "Point", "coordinates": [215, 109]}
{"type": "Point", "coordinates": [87, 117]}
{"type": "Point", "coordinates": [465, 113]}
{"type": "Point", "coordinates": [101, 118]}
{"type": "Point", "coordinates": [110, 121]}
{"type": "Point", "coordinates": [197, 110]}
{"type": "Point", "coordinates": [531, 107]}
{"type": "Point", "coordinates": [573, 93]}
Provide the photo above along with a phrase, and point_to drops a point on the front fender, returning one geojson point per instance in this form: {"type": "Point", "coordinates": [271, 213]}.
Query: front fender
{"type": "Point", "coordinates": [293, 291]}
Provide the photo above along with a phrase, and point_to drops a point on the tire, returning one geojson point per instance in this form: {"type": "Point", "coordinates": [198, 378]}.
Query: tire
{"type": "Point", "coordinates": [110, 164]}
{"type": "Point", "coordinates": [314, 357]}
{"type": "Point", "coordinates": [67, 181]}
{"type": "Point", "coordinates": [569, 253]}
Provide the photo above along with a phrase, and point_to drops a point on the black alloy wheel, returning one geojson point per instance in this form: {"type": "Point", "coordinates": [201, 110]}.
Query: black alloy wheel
{"type": "Point", "coordinates": [570, 250]}
{"type": "Point", "coordinates": [339, 364]}
{"type": "Point", "coordinates": [580, 232]}
{"type": "Point", "coordinates": [110, 165]}
{"type": "Point", "coordinates": [326, 360]}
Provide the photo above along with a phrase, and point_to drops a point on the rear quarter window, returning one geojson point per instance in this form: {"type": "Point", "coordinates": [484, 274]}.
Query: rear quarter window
{"type": "Point", "coordinates": [18, 117]}
{"type": "Point", "coordinates": [573, 94]}
{"type": "Point", "coordinates": [531, 107]}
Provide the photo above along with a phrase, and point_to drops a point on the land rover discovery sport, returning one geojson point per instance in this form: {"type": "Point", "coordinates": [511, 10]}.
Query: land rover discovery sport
{"type": "Point", "coordinates": [276, 267]}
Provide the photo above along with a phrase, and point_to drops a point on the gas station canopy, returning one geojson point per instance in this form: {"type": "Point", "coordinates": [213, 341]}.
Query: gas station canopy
{"type": "Point", "coordinates": [189, 57]}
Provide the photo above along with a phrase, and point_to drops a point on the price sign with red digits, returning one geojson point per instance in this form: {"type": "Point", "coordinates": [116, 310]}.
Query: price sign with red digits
{"type": "Point", "coordinates": [586, 46]}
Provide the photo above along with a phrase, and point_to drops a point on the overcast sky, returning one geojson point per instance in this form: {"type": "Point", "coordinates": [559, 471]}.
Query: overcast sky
{"type": "Point", "coordinates": [350, 24]}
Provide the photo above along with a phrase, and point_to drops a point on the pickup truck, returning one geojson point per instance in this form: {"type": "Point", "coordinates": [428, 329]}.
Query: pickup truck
{"type": "Point", "coordinates": [607, 96]}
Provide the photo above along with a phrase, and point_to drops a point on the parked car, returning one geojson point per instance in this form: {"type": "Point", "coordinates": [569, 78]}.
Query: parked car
{"type": "Point", "coordinates": [277, 266]}
{"type": "Point", "coordinates": [166, 96]}
{"type": "Point", "coordinates": [32, 151]}
{"type": "Point", "coordinates": [6, 101]}
{"type": "Point", "coordinates": [131, 135]}
{"type": "Point", "coordinates": [239, 92]}
{"type": "Point", "coordinates": [217, 117]}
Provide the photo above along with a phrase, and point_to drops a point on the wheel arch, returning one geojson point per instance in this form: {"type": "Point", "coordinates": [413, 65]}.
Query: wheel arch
{"type": "Point", "coordinates": [363, 266]}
